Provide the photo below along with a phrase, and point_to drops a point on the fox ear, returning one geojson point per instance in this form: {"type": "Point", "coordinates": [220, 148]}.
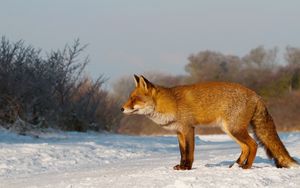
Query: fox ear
{"type": "Point", "coordinates": [145, 84]}
{"type": "Point", "coordinates": [136, 80]}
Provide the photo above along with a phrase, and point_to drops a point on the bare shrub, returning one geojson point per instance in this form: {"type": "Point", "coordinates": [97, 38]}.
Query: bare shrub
{"type": "Point", "coordinates": [50, 89]}
{"type": "Point", "coordinates": [213, 66]}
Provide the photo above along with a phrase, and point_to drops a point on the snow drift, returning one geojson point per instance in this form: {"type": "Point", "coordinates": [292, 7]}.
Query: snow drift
{"type": "Point", "coordinates": [108, 160]}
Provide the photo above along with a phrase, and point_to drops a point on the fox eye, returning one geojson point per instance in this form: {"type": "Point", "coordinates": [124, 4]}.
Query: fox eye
{"type": "Point", "coordinates": [133, 99]}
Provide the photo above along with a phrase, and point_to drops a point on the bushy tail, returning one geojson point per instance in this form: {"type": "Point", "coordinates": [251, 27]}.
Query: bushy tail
{"type": "Point", "coordinates": [265, 132]}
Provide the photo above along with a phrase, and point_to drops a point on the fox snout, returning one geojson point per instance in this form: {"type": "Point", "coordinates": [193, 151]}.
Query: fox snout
{"type": "Point", "coordinates": [127, 110]}
{"type": "Point", "coordinates": [128, 107]}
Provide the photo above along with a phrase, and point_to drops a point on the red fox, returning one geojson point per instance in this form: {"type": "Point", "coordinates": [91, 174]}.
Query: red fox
{"type": "Point", "coordinates": [230, 105]}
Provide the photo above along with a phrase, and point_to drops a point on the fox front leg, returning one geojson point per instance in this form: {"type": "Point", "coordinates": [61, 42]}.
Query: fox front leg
{"type": "Point", "coordinates": [186, 145]}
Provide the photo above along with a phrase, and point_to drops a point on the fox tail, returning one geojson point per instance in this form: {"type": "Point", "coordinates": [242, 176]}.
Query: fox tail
{"type": "Point", "coordinates": [265, 132]}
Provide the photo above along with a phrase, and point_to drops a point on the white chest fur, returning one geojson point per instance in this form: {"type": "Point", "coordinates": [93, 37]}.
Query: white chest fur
{"type": "Point", "coordinates": [162, 119]}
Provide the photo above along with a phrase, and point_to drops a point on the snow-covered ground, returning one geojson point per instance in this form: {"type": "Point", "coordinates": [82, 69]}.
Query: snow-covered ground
{"type": "Point", "coordinates": [107, 160]}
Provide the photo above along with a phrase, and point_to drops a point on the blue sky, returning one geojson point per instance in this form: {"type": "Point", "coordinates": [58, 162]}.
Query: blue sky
{"type": "Point", "coordinates": [135, 36]}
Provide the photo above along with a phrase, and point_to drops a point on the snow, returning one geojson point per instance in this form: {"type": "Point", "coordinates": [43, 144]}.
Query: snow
{"type": "Point", "coordinates": [108, 160]}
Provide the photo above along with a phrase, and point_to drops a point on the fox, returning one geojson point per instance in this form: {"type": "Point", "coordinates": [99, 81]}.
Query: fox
{"type": "Point", "coordinates": [230, 105]}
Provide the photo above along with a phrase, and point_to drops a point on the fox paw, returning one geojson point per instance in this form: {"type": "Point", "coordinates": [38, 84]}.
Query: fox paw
{"type": "Point", "coordinates": [236, 165]}
{"type": "Point", "coordinates": [182, 167]}
{"type": "Point", "coordinates": [246, 166]}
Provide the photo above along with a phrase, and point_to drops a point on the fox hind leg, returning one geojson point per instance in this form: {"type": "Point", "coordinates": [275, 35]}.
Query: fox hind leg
{"type": "Point", "coordinates": [248, 146]}
{"type": "Point", "coordinates": [243, 156]}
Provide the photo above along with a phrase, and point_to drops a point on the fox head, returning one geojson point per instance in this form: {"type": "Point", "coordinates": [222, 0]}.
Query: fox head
{"type": "Point", "coordinates": [141, 99]}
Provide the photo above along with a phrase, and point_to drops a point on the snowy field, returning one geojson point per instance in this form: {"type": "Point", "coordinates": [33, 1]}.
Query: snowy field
{"type": "Point", "coordinates": [76, 160]}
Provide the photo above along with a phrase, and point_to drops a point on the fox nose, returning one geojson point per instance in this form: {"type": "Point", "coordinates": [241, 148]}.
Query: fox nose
{"type": "Point", "coordinates": [122, 109]}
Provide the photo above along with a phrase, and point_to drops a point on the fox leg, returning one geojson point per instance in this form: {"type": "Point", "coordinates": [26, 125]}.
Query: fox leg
{"type": "Point", "coordinates": [252, 152]}
{"type": "Point", "coordinates": [248, 146]}
{"type": "Point", "coordinates": [186, 141]}
{"type": "Point", "coordinates": [244, 154]}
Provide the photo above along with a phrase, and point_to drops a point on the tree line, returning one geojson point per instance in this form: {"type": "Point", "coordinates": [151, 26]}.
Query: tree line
{"type": "Point", "coordinates": [52, 91]}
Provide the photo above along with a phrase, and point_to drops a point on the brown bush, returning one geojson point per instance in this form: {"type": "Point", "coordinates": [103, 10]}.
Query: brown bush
{"type": "Point", "coordinates": [286, 111]}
